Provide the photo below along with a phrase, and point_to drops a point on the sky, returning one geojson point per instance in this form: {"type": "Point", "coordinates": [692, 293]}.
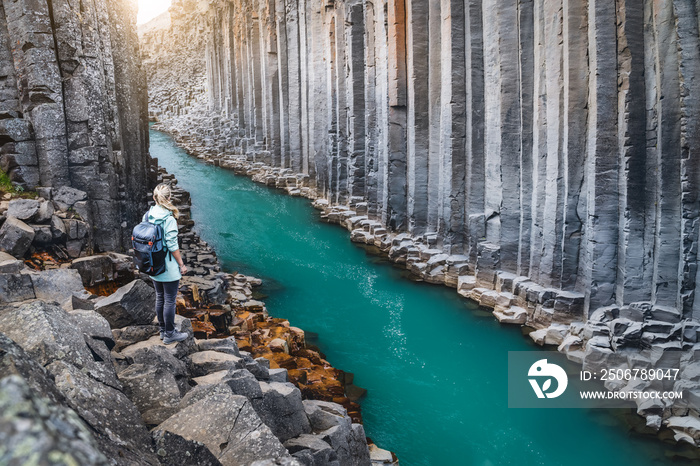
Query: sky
{"type": "Point", "coordinates": [149, 9]}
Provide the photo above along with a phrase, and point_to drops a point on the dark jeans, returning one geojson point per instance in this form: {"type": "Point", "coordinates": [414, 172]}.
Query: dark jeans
{"type": "Point", "coordinates": [166, 292]}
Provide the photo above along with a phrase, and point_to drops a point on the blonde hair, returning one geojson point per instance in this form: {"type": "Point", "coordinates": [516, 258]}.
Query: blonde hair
{"type": "Point", "coordinates": [162, 197]}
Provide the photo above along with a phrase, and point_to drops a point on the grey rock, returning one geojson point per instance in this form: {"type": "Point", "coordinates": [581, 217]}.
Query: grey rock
{"type": "Point", "coordinates": [23, 209]}
{"type": "Point", "coordinates": [223, 345]}
{"type": "Point", "coordinates": [43, 236]}
{"type": "Point", "coordinates": [8, 264]}
{"type": "Point", "coordinates": [321, 452]}
{"type": "Point", "coordinates": [150, 387]}
{"type": "Point", "coordinates": [258, 369]}
{"type": "Point", "coordinates": [349, 442]}
{"type": "Point", "coordinates": [173, 450]}
{"type": "Point", "coordinates": [201, 392]}
{"type": "Point", "coordinates": [133, 334]}
{"type": "Point", "coordinates": [228, 426]}
{"type": "Point", "coordinates": [58, 229]}
{"type": "Point", "coordinates": [205, 362]}
{"type": "Point", "coordinates": [57, 285]}
{"type": "Point", "coordinates": [94, 269]}
{"type": "Point", "coordinates": [54, 337]}
{"type": "Point", "coordinates": [14, 361]}
{"type": "Point", "coordinates": [132, 304]}
{"type": "Point", "coordinates": [16, 237]}
{"type": "Point", "coordinates": [93, 325]}
{"type": "Point", "coordinates": [279, 375]}
{"type": "Point", "coordinates": [213, 289]}
{"type": "Point", "coordinates": [179, 350]}
{"type": "Point", "coordinates": [323, 414]}
{"type": "Point", "coordinates": [105, 409]}
{"type": "Point", "coordinates": [65, 197]}
{"type": "Point", "coordinates": [35, 430]}
{"type": "Point", "coordinates": [242, 382]}
{"type": "Point", "coordinates": [45, 212]}
{"type": "Point", "coordinates": [282, 410]}
{"type": "Point", "coordinates": [15, 287]}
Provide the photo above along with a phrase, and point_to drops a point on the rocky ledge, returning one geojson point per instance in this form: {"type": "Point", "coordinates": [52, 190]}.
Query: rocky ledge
{"type": "Point", "coordinates": [85, 378]}
{"type": "Point", "coordinates": [639, 335]}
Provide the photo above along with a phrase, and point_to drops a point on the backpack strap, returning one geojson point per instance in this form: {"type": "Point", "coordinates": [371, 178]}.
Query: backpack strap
{"type": "Point", "coordinates": [162, 229]}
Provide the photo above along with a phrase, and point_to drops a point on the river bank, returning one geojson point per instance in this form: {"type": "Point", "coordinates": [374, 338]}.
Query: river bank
{"type": "Point", "coordinates": [221, 305]}
{"type": "Point", "coordinates": [283, 179]}
{"type": "Point", "coordinates": [78, 341]}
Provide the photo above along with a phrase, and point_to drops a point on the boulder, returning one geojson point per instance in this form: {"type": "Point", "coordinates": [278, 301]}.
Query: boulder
{"type": "Point", "coordinates": [279, 375]}
{"type": "Point", "coordinates": [93, 325]}
{"type": "Point", "coordinates": [350, 442]}
{"type": "Point", "coordinates": [56, 285]}
{"type": "Point", "coordinates": [201, 392]}
{"type": "Point", "coordinates": [511, 315]}
{"type": "Point", "coordinates": [35, 430]}
{"type": "Point", "coordinates": [380, 456]}
{"type": "Point", "coordinates": [179, 350]}
{"type": "Point", "coordinates": [94, 269]}
{"type": "Point", "coordinates": [53, 337]}
{"type": "Point", "coordinates": [173, 449]}
{"type": "Point", "coordinates": [8, 264]}
{"type": "Point", "coordinates": [229, 426]}
{"type": "Point", "coordinates": [16, 237]}
{"type": "Point", "coordinates": [133, 334]}
{"type": "Point", "coordinates": [278, 345]}
{"type": "Point", "coordinates": [213, 289]}
{"type": "Point", "coordinates": [76, 230]}
{"type": "Point", "coordinates": [45, 212]}
{"type": "Point", "coordinates": [158, 356]}
{"type": "Point", "coordinates": [107, 410]}
{"type": "Point", "coordinates": [211, 379]}
{"type": "Point", "coordinates": [223, 345]}
{"type": "Point", "coordinates": [65, 197]}
{"type": "Point", "coordinates": [23, 209]}
{"type": "Point", "coordinates": [42, 235]}
{"type": "Point", "coordinates": [323, 414]}
{"type": "Point", "coordinates": [15, 361]}
{"type": "Point", "coordinates": [282, 410]}
{"type": "Point", "coordinates": [132, 304]}
{"type": "Point", "coordinates": [313, 446]}
{"type": "Point", "coordinates": [150, 387]}
{"type": "Point", "coordinates": [204, 362]}
{"type": "Point", "coordinates": [15, 287]}
{"type": "Point", "coordinates": [58, 229]}
{"type": "Point", "coordinates": [259, 368]}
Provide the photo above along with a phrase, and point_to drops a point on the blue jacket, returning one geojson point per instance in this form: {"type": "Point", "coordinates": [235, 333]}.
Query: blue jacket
{"type": "Point", "coordinates": [158, 214]}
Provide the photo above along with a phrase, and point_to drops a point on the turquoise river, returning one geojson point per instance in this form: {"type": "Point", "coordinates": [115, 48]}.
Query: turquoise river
{"type": "Point", "coordinates": [433, 364]}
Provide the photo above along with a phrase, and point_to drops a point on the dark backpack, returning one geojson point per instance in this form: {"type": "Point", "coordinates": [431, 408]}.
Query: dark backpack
{"type": "Point", "coordinates": [150, 251]}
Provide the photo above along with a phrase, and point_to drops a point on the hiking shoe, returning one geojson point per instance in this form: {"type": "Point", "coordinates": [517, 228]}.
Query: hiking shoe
{"type": "Point", "coordinates": [174, 336]}
{"type": "Point", "coordinates": [162, 333]}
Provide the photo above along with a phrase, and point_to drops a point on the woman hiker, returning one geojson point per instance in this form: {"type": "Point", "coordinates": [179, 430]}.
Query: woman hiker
{"type": "Point", "coordinates": [168, 282]}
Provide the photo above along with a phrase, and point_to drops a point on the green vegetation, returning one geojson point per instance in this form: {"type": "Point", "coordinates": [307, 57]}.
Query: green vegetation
{"type": "Point", "coordinates": [6, 186]}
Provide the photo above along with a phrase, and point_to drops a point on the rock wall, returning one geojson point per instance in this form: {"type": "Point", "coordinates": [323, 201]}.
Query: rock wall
{"type": "Point", "coordinates": [552, 139]}
{"type": "Point", "coordinates": [73, 106]}
{"type": "Point", "coordinates": [541, 156]}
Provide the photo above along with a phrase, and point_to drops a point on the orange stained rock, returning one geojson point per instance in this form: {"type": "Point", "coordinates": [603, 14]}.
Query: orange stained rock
{"type": "Point", "coordinates": [103, 289]}
{"type": "Point", "coordinates": [203, 327]}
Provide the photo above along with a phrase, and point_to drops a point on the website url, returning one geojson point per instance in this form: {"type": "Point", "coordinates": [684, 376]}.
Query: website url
{"type": "Point", "coordinates": [631, 395]}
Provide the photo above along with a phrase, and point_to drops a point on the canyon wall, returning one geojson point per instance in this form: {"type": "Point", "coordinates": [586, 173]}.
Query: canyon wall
{"type": "Point", "coordinates": [552, 139]}
{"type": "Point", "coordinates": [73, 107]}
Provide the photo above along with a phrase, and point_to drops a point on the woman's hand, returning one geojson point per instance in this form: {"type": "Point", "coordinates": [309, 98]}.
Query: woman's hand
{"type": "Point", "coordinates": [183, 269]}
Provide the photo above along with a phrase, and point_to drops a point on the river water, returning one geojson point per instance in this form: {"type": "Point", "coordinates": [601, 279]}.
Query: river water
{"type": "Point", "coordinates": [433, 364]}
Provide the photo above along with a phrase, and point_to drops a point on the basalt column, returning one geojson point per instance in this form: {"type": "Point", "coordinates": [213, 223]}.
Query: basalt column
{"type": "Point", "coordinates": [555, 140]}
{"type": "Point", "coordinates": [74, 106]}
